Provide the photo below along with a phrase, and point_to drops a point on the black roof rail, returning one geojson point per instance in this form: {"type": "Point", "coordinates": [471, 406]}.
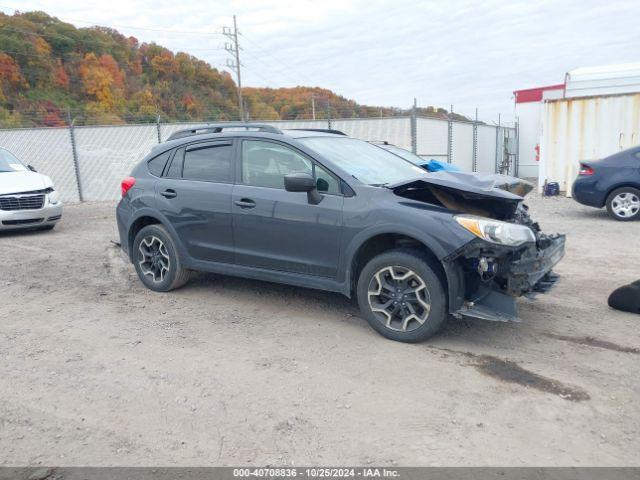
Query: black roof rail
{"type": "Point", "coordinates": [219, 127]}
{"type": "Point", "coordinates": [324, 130]}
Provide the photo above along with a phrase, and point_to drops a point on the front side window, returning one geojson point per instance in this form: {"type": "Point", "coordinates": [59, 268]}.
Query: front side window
{"type": "Point", "coordinates": [10, 163]}
{"type": "Point", "coordinates": [264, 164]}
{"type": "Point", "coordinates": [208, 163]}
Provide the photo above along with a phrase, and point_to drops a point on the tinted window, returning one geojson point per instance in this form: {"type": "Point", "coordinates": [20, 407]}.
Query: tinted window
{"type": "Point", "coordinates": [211, 163]}
{"type": "Point", "coordinates": [264, 164]}
{"type": "Point", "coordinates": [175, 169]}
{"type": "Point", "coordinates": [156, 165]}
{"type": "Point", "coordinates": [326, 182]}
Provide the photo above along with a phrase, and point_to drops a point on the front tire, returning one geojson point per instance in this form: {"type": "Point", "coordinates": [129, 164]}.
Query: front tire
{"type": "Point", "coordinates": [623, 204]}
{"type": "Point", "coordinates": [401, 296]}
{"type": "Point", "coordinates": [156, 260]}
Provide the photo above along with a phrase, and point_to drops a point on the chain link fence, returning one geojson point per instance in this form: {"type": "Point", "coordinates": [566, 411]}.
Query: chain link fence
{"type": "Point", "coordinates": [88, 163]}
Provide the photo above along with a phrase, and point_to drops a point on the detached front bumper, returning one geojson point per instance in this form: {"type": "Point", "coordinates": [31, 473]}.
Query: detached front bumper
{"type": "Point", "coordinates": [533, 273]}
{"type": "Point", "coordinates": [514, 274]}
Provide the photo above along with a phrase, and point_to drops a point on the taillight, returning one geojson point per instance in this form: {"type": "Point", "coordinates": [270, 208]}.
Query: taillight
{"type": "Point", "coordinates": [586, 170]}
{"type": "Point", "coordinates": [126, 185]}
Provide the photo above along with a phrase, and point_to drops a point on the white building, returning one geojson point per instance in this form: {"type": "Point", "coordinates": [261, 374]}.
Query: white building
{"type": "Point", "coordinates": [529, 106]}
{"type": "Point", "coordinates": [595, 113]}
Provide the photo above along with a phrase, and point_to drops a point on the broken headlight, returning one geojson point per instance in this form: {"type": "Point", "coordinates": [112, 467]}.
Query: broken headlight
{"type": "Point", "coordinates": [494, 231]}
{"type": "Point", "coordinates": [54, 197]}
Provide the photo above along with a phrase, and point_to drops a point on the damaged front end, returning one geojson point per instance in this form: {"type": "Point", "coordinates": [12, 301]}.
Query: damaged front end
{"type": "Point", "coordinates": [510, 256]}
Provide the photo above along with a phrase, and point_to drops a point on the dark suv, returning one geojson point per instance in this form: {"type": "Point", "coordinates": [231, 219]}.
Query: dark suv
{"type": "Point", "coordinates": [321, 210]}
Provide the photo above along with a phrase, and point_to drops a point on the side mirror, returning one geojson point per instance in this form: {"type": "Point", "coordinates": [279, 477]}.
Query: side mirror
{"type": "Point", "coordinates": [303, 182]}
{"type": "Point", "coordinates": [32, 168]}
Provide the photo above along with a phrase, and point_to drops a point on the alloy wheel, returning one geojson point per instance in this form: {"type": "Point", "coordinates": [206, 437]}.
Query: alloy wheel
{"type": "Point", "coordinates": [154, 258]}
{"type": "Point", "coordinates": [625, 205]}
{"type": "Point", "coordinates": [399, 298]}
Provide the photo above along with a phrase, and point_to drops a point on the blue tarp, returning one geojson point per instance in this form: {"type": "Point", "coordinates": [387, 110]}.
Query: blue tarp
{"type": "Point", "coordinates": [436, 166]}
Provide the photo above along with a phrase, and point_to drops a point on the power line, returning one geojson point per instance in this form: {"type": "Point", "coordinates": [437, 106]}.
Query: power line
{"type": "Point", "coordinates": [270, 65]}
{"type": "Point", "coordinates": [131, 27]}
{"type": "Point", "coordinates": [285, 64]}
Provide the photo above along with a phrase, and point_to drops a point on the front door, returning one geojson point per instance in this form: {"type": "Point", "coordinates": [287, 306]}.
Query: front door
{"type": "Point", "coordinates": [195, 196]}
{"type": "Point", "coordinates": [280, 230]}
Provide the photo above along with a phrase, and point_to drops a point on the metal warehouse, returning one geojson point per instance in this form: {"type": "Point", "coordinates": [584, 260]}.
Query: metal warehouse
{"type": "Point", "coordinates": [594, 113]}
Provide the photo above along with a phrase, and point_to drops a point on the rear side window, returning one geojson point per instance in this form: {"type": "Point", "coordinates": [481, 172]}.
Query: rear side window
{"type": "Point", "coordinates": [209, 163]}
{"type": "Point", "coordinates": [156, 165]}
{"type": "Point", "coordinates": [175, 169]}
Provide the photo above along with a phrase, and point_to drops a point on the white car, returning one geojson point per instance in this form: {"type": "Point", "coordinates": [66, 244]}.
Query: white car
{"type": "Point", "coordinates": [27, 198]}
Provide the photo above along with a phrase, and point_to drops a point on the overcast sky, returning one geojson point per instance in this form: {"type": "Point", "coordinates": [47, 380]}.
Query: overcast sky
{"type": "Point", "coordinates": [466, 53]}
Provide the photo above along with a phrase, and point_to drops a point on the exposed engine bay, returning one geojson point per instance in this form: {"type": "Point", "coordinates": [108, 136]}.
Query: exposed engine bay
{"type": "Point", "coordinates": [491, 274]}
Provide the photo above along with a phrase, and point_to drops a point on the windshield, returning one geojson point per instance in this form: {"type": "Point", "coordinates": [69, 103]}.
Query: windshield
{"type": "Point", "coordinates": [406, 154]}
{"type": "Point", "coordinates": [369, 164]}
{"type": "Point", "coordinates": [9, 163]}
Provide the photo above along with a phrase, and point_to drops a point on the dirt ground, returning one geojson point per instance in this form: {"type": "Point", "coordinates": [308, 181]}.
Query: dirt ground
{"type": "Point", "coordinates": [96, 370]}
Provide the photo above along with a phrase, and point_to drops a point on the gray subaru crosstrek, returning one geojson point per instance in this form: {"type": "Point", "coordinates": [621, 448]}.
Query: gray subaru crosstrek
{"type": "Point", "coordinates": [321, 210]}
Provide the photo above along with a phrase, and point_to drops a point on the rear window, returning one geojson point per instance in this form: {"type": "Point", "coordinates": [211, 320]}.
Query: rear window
{"type": "Point", "coordinates": [156, 165]}
{"type": "Point", "coordinates": [209, 163]}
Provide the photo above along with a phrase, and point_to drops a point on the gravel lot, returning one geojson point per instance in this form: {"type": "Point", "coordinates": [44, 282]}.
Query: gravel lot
{"type": "Point", "coordinates": [97, 370]}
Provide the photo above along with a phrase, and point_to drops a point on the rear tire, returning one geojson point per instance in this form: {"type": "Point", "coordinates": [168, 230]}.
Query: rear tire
{"type": "Point", "coordinates": [623, 204]}
{"type": "Point", "coordinates": [401, 296]}
{"type": "Point", "coordinates": [156, 260]}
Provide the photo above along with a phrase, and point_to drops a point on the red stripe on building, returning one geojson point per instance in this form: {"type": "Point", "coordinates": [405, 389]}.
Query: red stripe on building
{"type": "Point", "coordinates": [534, 94]}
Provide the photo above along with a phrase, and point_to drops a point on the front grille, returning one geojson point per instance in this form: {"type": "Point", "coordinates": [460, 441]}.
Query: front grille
{"type": "Point", "coordinates": [22, 222]}
{"type": "Point", "coordinates": [21, 202]}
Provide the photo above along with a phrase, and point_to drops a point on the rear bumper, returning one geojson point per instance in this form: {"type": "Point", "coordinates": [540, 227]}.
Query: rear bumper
{"type": "Point", "coordinates": [585, 191]}
{"type": "Point", "coordinates": [22, 219]}
{"type": "Point", "coordinates": [122, 216]}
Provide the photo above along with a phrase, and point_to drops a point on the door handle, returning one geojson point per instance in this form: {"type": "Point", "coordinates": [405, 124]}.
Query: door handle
{"type": "Point", "coordinates": [169, 193]}
{"type": "Point", "coordinates": [245, 203]}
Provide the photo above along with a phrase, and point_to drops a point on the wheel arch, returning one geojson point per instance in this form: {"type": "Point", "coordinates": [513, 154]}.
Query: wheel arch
{"type": "Point", "coordinates": [364, 248]}
{"type": "Point", "coordinates": [610, 190]}
{"type": "Point", "coordinates": [149, 217]}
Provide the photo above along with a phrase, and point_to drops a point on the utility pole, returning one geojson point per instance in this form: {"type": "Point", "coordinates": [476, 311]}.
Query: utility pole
{"type": "Point", "coordinates": [414, 127]}
{"type": "Point", "coordinates": [234, 49]}
{"type": "Point", "coordinates": [313, 105]}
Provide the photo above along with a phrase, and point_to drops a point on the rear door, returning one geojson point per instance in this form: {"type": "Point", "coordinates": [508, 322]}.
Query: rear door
{"type": "Point", "coordinates": [280, 230]}
{"type": "Point", "coordinates": [194, 194]}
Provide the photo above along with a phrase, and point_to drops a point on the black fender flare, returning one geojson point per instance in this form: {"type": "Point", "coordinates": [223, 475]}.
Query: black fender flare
{"type": "Point", "coordinates": [150, 212]}
{"type": "Point", "coordinates": [453, 271]}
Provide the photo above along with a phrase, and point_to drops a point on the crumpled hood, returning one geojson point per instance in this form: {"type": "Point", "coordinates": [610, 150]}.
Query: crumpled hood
{"type": "Point", "coordinates": [463, 182]}
{"type": "Point", "coordinates": [27, 181]}
{"type": "Point", "coordinates": [461, 192]}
